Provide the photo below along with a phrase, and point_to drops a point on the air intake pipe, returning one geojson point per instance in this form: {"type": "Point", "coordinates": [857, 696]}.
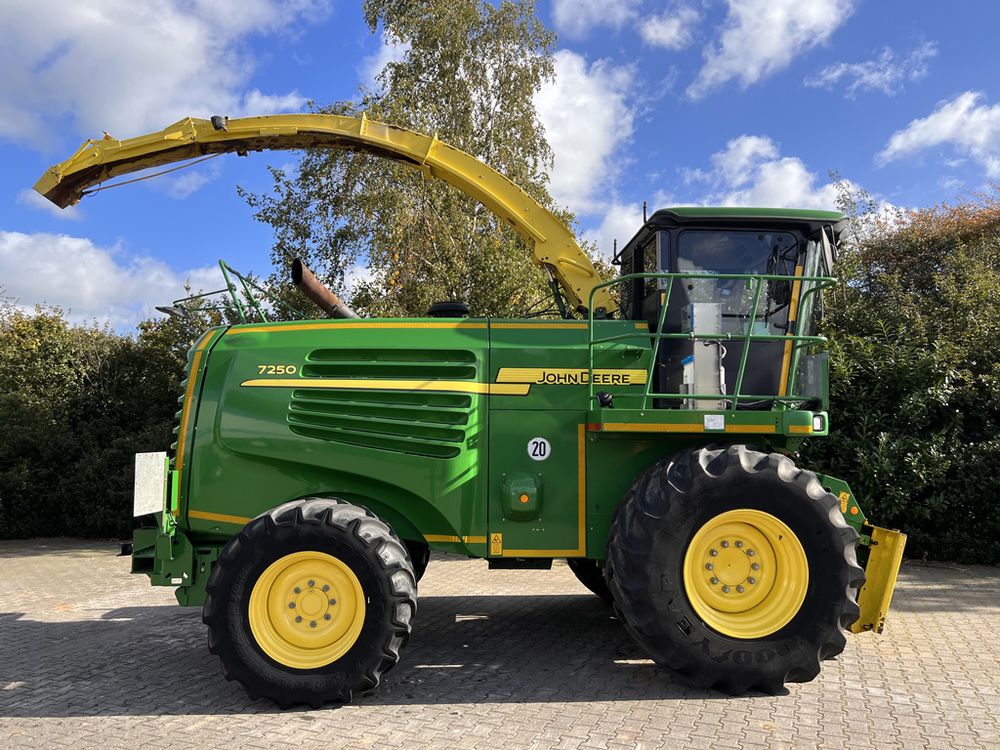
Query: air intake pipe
{"type": "Point", "coordinates": [315, 290]}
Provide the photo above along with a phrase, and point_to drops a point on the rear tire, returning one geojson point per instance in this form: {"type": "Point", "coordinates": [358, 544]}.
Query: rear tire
{"type": "Point", "coordinates": [420, 555]}
{"type": "Point", "coordinates": [310, 602]}
{"type": "Point", "coordinates": [769, 632]}
{"type": "Point", "coordinates": [590, 575]}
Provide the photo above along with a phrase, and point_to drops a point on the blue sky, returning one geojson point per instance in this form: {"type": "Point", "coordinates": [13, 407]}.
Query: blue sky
{"type": "Point", "coordinates": [738, 102]}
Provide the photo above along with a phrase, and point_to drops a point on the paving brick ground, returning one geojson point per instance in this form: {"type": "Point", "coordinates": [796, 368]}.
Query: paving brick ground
{"type": "Point", "coordinates": [92, 657]}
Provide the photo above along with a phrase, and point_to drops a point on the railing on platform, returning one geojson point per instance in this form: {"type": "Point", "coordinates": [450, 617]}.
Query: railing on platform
{"type": "Point", "coordinates": [814, 284]}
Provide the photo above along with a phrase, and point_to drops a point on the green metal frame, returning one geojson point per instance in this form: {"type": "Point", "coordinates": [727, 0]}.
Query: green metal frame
{"type": "Point", "coordinates": [818, 283]}
{"type": "Point", "coordinates": [248, 309]}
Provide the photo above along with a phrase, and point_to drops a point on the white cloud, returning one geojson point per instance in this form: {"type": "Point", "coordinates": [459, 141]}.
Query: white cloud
{"type": "Point", "coordinates": [576, 18]}
{"type": "Point", "coordinates": [255, 103]}
{"type": "Point", "coordinates": [966, 123]}
{"type": "Point", "coordinates": [128, 67]}
{"type": "Point", "coordinates": [187, 181]}
{"type": "Point", "coordinates": [91, 282]}
{"type": "Point", "coordinates": [183, 186]}
{"type": "Point", "coordinates": [620, 222]}
{"type": "Point", "coordinates": [882, 74]}
{"type": "Point", "coordinates": [390, 50]}
{"type": "Point", "coordinates": [951, 184]}
{"type": "Point", "coordinates": [742, 156]}
{"type": "Point", "coordinates": [750, 171]}
{"type": "Point", "coordinates": [761, 37]}
{"type": "Point", "coordinates": [672, 29]}
{"type": "Point", "coordinates": [31, 199]}
{"type": "Point", "coordinates": [784, 183]}
{"type": "Point", "coordinates": [586, 117]}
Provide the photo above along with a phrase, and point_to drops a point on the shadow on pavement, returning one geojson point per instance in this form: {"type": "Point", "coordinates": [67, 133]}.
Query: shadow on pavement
{"type": "Point", "coordinates": [479, 649]}
{"type": "Point", "coordinates": [946, 587]}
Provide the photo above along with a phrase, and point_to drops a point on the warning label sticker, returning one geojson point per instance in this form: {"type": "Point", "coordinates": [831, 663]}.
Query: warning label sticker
{"type": "Point", "coordinates": [844, 499]}
{"type": "Point", "coordinates": [496, 543]}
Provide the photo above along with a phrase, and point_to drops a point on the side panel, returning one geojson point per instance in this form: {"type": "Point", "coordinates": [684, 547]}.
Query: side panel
{"type": "Point", "coordinates": [390, 414]}
{"type": "Point", "coordinates": [538, 503]}
{"type": "Point", "coordinates": [537, 483]}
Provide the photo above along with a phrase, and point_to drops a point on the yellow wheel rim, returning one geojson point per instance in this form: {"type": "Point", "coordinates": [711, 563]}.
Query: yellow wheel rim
{"type": "Point", "coordinates": [745, 574]}
{"type": "Point", "coordinates": [307, 610]}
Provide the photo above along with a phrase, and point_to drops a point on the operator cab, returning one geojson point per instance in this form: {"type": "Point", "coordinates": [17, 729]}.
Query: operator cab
{"type": "Point", "coordinates": [733, 274]}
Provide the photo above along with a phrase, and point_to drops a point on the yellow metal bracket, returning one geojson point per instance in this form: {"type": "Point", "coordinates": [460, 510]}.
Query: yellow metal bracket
{"type": "Point", "coordinates": [884, 559]}
{"type": "Point", "coordinates": [553, 245]}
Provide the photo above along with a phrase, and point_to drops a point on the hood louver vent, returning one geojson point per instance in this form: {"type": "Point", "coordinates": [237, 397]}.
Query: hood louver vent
{"type": "Point", "coordinates": [422, 423]}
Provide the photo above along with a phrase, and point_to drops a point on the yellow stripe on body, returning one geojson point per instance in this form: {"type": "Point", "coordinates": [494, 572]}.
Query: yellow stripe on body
{"type": "Point", "coordinates": [447, 386]}
{"type": "Point", "coordinates": [390, 325]}
{"type": "Point", "coordinates": [220, 517]}
{"type": "Point", "coordinates": [188, 400]}
{"type": "Point", "coordinates": [760, 429]}
{"type": "Point", "coordinates": [793, 311]}
{"type": "Point", "coordinates": [353, 325]}
{"type": "Point", "coordinates": [540, 326]}
{"type": "Point", "coordinates": [452, 539]}
{"type": "Point", "coordinates": [571, 376]}
{"type": "Point", "coordinates": [242, 520]}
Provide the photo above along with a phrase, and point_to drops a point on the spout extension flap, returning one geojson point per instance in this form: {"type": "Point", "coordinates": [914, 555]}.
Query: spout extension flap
{"type": "Point", "coordinates": [883, 566]}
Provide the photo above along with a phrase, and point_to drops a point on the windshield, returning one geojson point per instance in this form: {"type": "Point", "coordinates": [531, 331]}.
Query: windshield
{"type": "Point", "coordinates": [702, 251]}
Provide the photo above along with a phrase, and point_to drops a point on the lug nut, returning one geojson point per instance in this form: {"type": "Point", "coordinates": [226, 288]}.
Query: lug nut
{"type": "Point", "coordinates": [739, 544]}
{"type": "Point", "coordinates": [333, 601]}
{"type": "Point", "coordinates": [739, 589]}
{"type": "Point", "coordinates": [327, 616]}
{"type": "Point", "coordinates": [708, 566]}
{"type": "Point", "coordinates": [312, 583]}
{"type": "Point", "coordinates": [298, 618]}
{"type": "Point", "coordinates": [312, 623]}
{"type": "Point", "coordinates": [749, 553]}
{"type": "Point", "coordinates": [751, 580]}
{"type": "Point", "coordinates": [326, 587]}
{"type": "Point", "coordinates": [714, 580]}
{"type": "Point", "coordinates": [298, 590]}
{"type": "Point", "coordinates": [725, 589]}
{"type": "Point", "coordinates": [713, 552]}
{"type": "Point", "coordinates": [291, 605]}
{"type": "Point", "coordinates": [755, 566]}
{"type": "Point", "coordinates": [725, 543]}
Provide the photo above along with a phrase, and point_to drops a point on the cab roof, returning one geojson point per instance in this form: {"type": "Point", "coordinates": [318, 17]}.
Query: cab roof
{"type": "Point", "coordinates": [738, 217]}
{"type": "Point", "coordinates": [730, 212]}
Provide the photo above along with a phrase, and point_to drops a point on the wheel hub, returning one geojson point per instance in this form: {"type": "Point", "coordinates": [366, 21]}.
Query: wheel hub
{"type": "Point", "coordinates": [732, 566]}
{"type": "Point", "coordinates": [306, 609]}
{"type": "Point", "coordinates": [745, 573]}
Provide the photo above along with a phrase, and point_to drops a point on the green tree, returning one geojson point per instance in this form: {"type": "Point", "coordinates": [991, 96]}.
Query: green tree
{"type": "Point", "coordinates": [915, 374]}
{"type": "Point", "coordinates": [76, 404]}
{"type": "Point", "coordinates": [469, 74]}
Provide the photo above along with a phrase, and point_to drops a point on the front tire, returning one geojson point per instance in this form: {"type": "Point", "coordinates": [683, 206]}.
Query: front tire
{"type": "Point", "coordinates": [310, 602]}
{"type": "Point", "coordinates": [734, 568]}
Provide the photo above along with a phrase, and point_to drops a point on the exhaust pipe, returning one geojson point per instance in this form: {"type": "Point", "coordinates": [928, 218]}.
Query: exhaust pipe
{"type": "Point", "coordinates": [315, 290]}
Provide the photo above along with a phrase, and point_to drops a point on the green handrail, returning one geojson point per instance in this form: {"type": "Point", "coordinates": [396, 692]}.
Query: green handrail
{"type": "Point", "coordinates": [816, 284]}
